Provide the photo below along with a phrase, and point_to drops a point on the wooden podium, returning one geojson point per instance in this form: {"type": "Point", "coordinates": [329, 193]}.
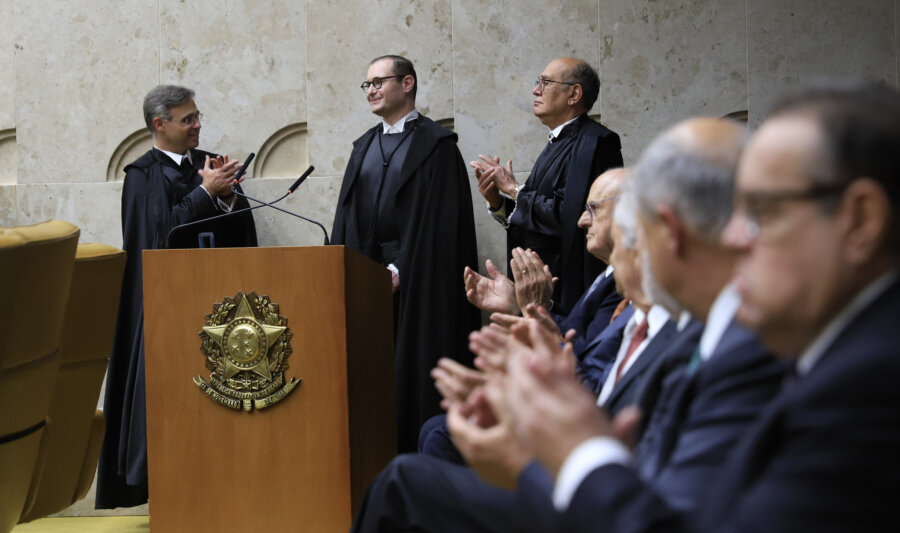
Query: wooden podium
{"type": "Point", "coordinates": [304, 463]}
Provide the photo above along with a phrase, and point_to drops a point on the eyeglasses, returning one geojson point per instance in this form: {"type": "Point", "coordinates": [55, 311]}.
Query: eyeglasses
{"type": "Point", "coordinates": [760, 209]}
{"type": "Point", "coordinates": [190, 120]}
{"type": "Point", "coordinates": [541, 83]}
{"type": "Point", "coordinates": [591, 207]}
{"type": "Point", "coordinates": [376, 82]}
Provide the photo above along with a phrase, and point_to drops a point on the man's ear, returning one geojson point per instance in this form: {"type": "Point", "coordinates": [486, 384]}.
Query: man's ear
{"type": "Point", "coordinates": [673, 230]}
{"type": "Point", "coordinates": [408, 82]}
{"type": "Point", "coordinates": [577, 93]}
{"type": "Point", "coordinates": [865, 220]}
{"type": "Point", "coordinates": [158, 124]}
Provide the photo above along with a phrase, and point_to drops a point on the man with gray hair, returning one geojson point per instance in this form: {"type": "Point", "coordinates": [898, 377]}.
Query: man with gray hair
{"type": "Point", "coordinates": [172, 184]}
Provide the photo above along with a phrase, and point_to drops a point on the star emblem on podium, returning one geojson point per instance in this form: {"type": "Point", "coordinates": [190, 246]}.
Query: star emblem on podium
{"type": "Point", "coordinates": [245, 341]}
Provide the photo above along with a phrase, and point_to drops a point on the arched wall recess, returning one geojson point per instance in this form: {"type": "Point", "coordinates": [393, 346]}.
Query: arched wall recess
{"type": "Point", "coordinates": [284, 154]}
{"type": "Point", "coordinates": [8, 157]}
{"type": "Point", "coordinates": [128, 150]}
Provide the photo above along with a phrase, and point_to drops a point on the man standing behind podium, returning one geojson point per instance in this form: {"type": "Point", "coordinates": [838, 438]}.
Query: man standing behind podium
{"type": "Point", "coordinates": [172, 184]}
{"type": "Point", "coordinates": [405, 203]}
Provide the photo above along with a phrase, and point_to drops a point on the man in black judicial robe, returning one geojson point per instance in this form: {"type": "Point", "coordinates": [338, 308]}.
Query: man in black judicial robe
{"type": "Point", "coordinates": [405, 203]}
{"type": "Point", "coordinates": [542, 213]}
{"type": "Point", "coordinates": [172, 184]}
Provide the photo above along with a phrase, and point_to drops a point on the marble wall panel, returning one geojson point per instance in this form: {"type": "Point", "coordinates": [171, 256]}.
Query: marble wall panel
{"type": "Point", "coordinates": [793, 41]}
{"type": "Point", "coordinates": [82, 69]}
{"type": "Point", "coordinates": [93, 207]}
{"type": "Point", "coordinates": [246, 61]}
{"type": "Point", "coordinates": [343, 38]}
{"type": "Point", "coordinates": [8, 206]}
{"type": "Point", "coordinates": [314, 199]}
{"type": "Point", "coordinates": [661, 62]}
{"type": "Point", "coordinates": [7, 67]}
{"type": "Point", "coordinates": [499, 49]}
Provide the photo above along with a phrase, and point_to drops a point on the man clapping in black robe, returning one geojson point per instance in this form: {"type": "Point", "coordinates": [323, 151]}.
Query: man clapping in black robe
{"type": "Point", "coordinates": [172, 184]}
{"type": "Point", "coordinates": [542, 213]}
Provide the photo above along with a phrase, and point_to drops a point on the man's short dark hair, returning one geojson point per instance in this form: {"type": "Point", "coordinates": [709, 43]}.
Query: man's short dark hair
{"type": "Point", "coordinates": [586, 76]}
{"type": "Point", "coordinates": [859, 122]}
{"type": "Point", "coordinates": [161, 99]}
{"type": "Point", "coordinates": [401, 67]}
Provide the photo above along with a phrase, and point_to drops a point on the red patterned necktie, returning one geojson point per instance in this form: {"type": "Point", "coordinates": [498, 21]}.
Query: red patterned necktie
{"type": "Point", "coordinates": [639, 335]}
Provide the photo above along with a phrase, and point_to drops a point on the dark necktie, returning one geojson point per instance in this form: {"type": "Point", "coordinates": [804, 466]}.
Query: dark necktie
{"type": "Point", "coordinates": [186, 166]}
{"type": "Point", "coordinates": [639, 335]}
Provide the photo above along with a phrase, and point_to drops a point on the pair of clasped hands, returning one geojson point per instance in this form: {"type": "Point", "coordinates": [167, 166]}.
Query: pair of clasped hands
{"type": "Point", "coordinates": [493, 178]}
{"type": "Point", "coordinates": [218, 175]}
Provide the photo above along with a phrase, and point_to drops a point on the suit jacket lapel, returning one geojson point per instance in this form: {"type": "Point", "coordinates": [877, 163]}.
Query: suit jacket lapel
{"type": "Point", "coordinates": [657, 344]}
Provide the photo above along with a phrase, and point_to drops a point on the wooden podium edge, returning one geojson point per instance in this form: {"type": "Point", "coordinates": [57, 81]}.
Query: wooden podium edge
{"type": "Point", "coordinates": [372, 416]}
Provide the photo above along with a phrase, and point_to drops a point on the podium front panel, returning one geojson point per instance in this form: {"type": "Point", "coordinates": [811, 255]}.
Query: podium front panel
{"type": "Point", "coordinates": [288, 466]}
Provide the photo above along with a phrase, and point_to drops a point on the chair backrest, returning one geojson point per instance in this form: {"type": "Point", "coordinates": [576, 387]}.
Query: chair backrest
{"type": "Point", "coordinates": [87, 338]}
{"type": "Point", "coordinates": [36, 269]}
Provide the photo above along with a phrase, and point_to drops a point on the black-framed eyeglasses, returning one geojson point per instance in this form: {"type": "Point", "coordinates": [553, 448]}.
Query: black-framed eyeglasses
{"type": "Point", "coordinates": [541, 83]}
{"type": "Point", "coordinates": [760, 209]}
{"type": "Point", "coordinates": [190, 120]}
{"type": "Point", "coordinates": [591, 207]}
{"type": "Point", "coordinates": [376, 82]}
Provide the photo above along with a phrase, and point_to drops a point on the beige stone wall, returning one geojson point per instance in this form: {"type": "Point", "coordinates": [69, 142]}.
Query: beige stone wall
{"type": "Point", "coordinates": [281, 78]}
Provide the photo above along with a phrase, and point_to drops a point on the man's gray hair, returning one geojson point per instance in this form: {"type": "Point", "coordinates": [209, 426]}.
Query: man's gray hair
{"type": "Point", "coordinates": [695, 181]}
{"type": "Point", "coordinates": [625, 217]}
{"type": "Point", "coordinates": [161, 99]}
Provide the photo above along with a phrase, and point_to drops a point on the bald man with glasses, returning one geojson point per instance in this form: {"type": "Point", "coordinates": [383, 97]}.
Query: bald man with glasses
{"type": "Point", "coordinates": [542, 213]}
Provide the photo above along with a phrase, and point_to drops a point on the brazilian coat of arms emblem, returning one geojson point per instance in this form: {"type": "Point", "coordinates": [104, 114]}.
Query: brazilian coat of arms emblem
{"type": "Point", "coordinates": [246, 344]}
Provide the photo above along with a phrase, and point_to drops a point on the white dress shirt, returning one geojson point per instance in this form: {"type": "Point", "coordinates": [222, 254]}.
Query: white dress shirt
{"type": "Point", "coordinates": [400, 125]}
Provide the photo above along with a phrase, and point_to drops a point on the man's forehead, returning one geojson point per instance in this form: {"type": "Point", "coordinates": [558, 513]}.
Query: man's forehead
{"type": "Point", "coordinates": [554, 69]}
{"type": "Point", "coordinates": [380, 68]}
{"type": "Point", "coordinates": [185, 108]}
{"type": "Point", "coordinates": [784, 151]}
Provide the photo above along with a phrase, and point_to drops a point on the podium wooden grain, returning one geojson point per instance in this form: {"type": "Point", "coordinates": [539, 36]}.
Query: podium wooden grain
{"type": "Point", "coordinates": [302, 464]}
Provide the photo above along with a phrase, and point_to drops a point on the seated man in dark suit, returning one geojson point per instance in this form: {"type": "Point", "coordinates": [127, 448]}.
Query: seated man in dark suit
{"type": "Point", "coordinates": [533, 281]}
{"type": "Point", "coordinates": [815, 223]}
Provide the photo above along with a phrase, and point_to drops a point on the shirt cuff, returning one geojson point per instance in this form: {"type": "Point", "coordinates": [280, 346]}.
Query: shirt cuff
{"type": "Point", "coordinates": [499, 214]}
{"type": "Point", "coordinates": [584, 459]}
{"type": "Point", "coordinates": [393, 268]}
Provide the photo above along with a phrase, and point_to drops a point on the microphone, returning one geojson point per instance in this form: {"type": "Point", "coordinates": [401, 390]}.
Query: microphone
{"type": "Point", "coordinates": [240, 172]}
{"type": "Point", "coordinates": [301, 179]}
{"type": "Point", "coordinates": [290, 190]}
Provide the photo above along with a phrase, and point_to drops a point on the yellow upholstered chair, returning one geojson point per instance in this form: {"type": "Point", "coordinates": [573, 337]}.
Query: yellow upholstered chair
{"type": "Point", "coordinates": [36, 269]}
{"type": "Point", "coordinates": [87, 336]}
